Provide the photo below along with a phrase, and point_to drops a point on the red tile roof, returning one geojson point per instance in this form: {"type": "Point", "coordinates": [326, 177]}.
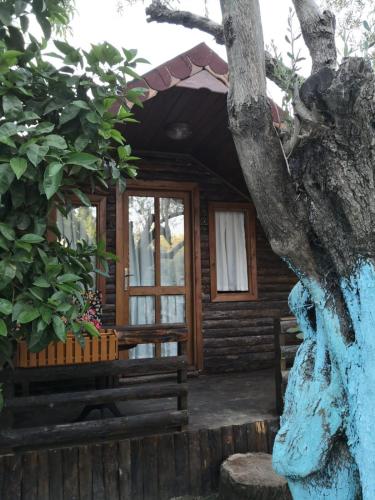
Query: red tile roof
{"type": "Point", "coordinates": [185, 66]}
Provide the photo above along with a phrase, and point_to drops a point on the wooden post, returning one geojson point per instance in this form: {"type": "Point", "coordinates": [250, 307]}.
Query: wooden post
{"type": "Point", "coordinates": [6, 415]}
{"type": "Point", "coordinates": [182, 402]}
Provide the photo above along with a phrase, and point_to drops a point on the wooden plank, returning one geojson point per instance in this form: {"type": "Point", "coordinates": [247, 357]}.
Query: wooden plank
{"type": "Point", "coordinates": [98, 396]}
{"type": "Point", "coordinates": [43, 475]}
{"type": "Point", "coordinates": [70, 473]}
{"type": "Point", "coordinates": [124, 460]}
{"type": "Point", "coordinates": [227, 440]}
{"type": "Point", "coordinates": [205, 462]}
{"type": "Point", "coordinates": [136, 469]}
{"type": "Point", "coordinates": [194, 463]}
{"type": "Point", "coordinates": [93, 429]}
{"type": "Point", "coordinates": [100, 369]}
{"type": "Point", "coordinates": [150, 468]}
{"type": "Point", "coordinates": [240, 438]}
{"type": "Point", "coordinates": [167, 469]}
{"type": "Point", "coordinates": [257, 436]}
{"type": "Point", "coordinates": [85, 473]}
{"type": "Point", "coordinates": [30, 475]}
{"type": "Point", "coordinates": [55, 475]}
{"type": "Point", "coordinates": [216, 456]}
{"type": "Point", "coordinates": [12, 478]}
{"type": "Point", "coordinates": [181, 452]}
{"type": "Point", "coordinates": [111, 471]}
{"type": "Point", "coordinates": [97, 472]}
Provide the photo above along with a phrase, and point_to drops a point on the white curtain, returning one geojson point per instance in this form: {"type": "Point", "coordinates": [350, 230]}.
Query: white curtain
{"type": "Point", "coordinates": [231, 258]}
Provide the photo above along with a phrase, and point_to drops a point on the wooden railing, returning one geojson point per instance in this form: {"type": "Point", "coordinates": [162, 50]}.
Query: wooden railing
{"type": "Point", "coordinates": [105, 395]}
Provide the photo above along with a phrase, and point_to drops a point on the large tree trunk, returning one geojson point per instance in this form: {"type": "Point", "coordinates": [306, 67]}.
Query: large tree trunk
{"type": "Point", "coordinates": [318, 210]}
{"type": "Point", "coordinates": [320, 219]}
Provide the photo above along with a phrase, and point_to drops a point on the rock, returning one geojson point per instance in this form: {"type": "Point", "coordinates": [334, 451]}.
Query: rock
{"type": "Point", "coordinates": [250, 476]}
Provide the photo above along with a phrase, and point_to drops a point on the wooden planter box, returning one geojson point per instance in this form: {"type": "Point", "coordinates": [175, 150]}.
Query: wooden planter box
{"type": "Point", "coordinates": [104, 348]}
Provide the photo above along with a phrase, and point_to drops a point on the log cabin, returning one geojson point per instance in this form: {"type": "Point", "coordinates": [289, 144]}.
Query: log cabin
{"type": "Point", "coordinates": [192, 256]}
{"type": "Point", "coordinates": [186, 234]}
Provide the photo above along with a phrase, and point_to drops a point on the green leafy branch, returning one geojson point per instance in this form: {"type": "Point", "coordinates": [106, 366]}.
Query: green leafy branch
{"type": "Point", "coordinates": [59, 138]}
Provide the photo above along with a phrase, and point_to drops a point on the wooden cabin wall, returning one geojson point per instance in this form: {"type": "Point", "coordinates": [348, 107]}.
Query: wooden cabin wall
{"type": "Point", "coordinates": [236, 335]}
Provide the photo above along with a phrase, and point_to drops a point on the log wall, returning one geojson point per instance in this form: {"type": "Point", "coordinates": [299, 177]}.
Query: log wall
{"type": "Point", "coordinates": [150, 468]}
{"type": "Point", "coordinates": [237, 335]}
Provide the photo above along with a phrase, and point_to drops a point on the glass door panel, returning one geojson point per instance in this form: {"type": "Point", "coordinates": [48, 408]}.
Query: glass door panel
{"type": "Point", "coordinates": [141, 241]}
{"type": "Point", "coordinates": [157, 284]}
{"type": "Point", "coordinates": [172, 242]}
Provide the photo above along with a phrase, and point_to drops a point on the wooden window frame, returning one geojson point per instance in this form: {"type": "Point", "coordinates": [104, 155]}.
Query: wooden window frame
{"type": "Point", "coordinates": [100, 202]}
{"type": "Point", "coordinates": [250, 235]}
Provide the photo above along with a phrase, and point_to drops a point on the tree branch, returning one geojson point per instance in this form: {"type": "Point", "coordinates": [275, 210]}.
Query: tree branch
{"type": "Point", "coordinates": [318, 30]}
{"type": "Point", "coordinates": [276, 71]}
{"type": "Point", "coordinates": [160, 13]}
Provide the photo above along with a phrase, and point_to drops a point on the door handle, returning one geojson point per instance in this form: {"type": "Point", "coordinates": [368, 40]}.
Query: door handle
{"type": "Point", "coordinates": [126, 278]}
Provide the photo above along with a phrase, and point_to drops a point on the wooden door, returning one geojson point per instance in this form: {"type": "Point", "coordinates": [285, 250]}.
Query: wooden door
{"type": "Point", "coordinates": [154, 271]}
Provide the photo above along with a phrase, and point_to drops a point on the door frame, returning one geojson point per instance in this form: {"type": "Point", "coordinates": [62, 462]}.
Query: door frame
{"type": "Point", "coordinates": [192, 190]}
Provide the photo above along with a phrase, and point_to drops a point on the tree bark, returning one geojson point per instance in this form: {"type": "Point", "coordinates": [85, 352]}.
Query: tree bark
{"type": "Point", "coordinates": [318, 211]}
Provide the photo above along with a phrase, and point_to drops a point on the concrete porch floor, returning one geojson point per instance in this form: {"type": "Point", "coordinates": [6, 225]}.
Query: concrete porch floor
{"type": "Point", "coordinates": [218, 400]}
{"type": "Point", "coordinates": [214, 400]}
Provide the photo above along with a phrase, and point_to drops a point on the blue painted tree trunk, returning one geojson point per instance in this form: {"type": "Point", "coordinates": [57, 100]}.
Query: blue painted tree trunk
{"type": "Point", "coordinates": [325, 446]}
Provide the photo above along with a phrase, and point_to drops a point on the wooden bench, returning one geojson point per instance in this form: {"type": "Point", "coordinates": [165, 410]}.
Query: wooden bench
{"type": "Point", "coordinates": [286, 347]}
{"type": "Point", "coordinates": [30, 437]}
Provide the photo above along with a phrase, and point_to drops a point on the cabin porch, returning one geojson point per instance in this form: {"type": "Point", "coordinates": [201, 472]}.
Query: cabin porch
{"type": "Point", "coordinates": [227, 414]}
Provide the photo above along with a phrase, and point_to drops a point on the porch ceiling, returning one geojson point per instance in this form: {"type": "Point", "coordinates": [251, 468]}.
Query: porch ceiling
{"type": "Point", "coordinates": [205, 111]}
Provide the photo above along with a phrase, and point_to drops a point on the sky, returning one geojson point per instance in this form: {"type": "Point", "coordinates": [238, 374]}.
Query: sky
{"type": "Point", "coordinates": [99, 20]}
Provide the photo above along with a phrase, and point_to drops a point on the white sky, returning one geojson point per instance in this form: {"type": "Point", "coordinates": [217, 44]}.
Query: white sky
{"type": "Point", "coordinates": [98, 21]}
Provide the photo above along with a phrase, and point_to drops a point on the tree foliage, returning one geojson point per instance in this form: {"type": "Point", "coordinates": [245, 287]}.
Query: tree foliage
{"type": "Point", "coordinates": [58, 139]}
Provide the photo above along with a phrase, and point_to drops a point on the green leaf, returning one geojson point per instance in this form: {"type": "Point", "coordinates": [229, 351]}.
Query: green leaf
{"type": "Point", "coordinates": [32, 238]}
{"type": "Point", "coordinates": [68, 278]}
{"type": "Point", "coordinates": [5, 15]}
{"type": "Point", "coordinates": [85, 160]}
{"type": "Point", "coordinates": [81, 142]}
{"type": "Point", "coordinates": [3, 328]}
{"type": "Point", "coordinates": [81, 104]}
{"type": "Point", "coordinates": [5, 307]}
{"type": "Point", "coordinates": [6, 177]}
{"type": "Point", "coordinates": [44, 128]}
{"type": "Point", "coordinates": [36, 153]}
{"type": "Point", "coordinates": [82, 197]}
{"type": "Point", "coordinates": [59, 328]}
{"type": "Point", "coordinates": [69, 113]}
{"type": "Point", "coordinates": [52, 178]}
{"type": "Point", "coordinates": [90, 329]}
{"type": "Point", "coordinates": [27, 316]}
{"type": "Point", "coordinates": [41, 282]}
{"type": "Point", "coordinates": [55, 141]}
{"type": "Point", "coordinates": [19, 166]}
{"type": "Point", "coordinates": [7, 232]}
{"type": "Point", "coordinates": [12, 106]}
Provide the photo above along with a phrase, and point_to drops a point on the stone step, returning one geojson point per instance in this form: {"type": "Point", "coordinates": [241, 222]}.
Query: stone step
{"type": "Point", "coordinates": [249, 476]}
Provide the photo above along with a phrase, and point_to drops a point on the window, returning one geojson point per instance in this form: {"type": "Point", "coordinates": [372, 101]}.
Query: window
{"type": "Point", "coordinates": [232, 252]}
{"type": "Point", "coordinates": [85, 223]}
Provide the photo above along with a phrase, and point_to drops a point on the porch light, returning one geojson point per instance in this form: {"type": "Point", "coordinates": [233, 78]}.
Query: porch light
{"type": "Point", "coordinates": [178, 131]}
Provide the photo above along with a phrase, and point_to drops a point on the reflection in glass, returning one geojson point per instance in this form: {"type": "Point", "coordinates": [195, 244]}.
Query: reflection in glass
{"type": "Point", "coordinates": [141, 241]}
{"type": "Point", "coordinates": [142, 312]}
{"type": "Point", "coordinates": [80, 224]}
{"type": "Point", "coordinates": [173, 309]}
{"type": "Point", "coordinates": [172, 242]}
{"type": "Point", "coordinates": [142, 351]}
{"type": "Point", "coordinates": [168, 349]}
